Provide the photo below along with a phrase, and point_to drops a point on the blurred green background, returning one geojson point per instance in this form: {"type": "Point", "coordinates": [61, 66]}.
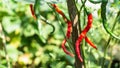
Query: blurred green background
{"type": "Point", "coordinates": [30, 45]}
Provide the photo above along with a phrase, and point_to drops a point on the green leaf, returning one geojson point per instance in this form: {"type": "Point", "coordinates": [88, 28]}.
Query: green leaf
{"type": "Point", "coordinates": [10, 24]}
{"type": "Point", "coordinates": [2, 66]}
{"type": "Point", "coordinates": [30, 29]}
{"type": "Point", "coordinates": [12, 52]}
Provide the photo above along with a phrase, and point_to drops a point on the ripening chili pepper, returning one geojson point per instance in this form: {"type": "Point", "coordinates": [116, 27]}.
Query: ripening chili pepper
{"type": "Point", "coordinates": [69, 23]}
{"type": "Point", "coordinates": [82, 36]}
{"type": "Point", "coordinates": [104, 19]}
{"type": "Point", "coordinates": [32, 11]}
{"type": "Point", "coordinates": [69, 29]}
{"type": "Point", "coordinates": [59, 11]}
{"type": "Point", "coordinates": [67, 36]}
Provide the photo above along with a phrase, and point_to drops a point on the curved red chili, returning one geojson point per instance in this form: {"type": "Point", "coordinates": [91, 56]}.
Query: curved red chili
{"type": "Point", "coordinates": [83, 35]}
{"type": "Point", "coordinates": [64, 48]}
{"type": "Point", "coordinates": [32, 11]}
{"type": "Point", "coordinates": [69, 29]}
{"type": "Point", "coordinates": [77, 46]}
{"type": "Point", "coordinates": [90, 43]}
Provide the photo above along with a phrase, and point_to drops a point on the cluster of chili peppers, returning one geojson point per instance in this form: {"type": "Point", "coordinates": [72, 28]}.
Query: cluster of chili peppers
{"type": "Point", "coordinates": [69, 30]}
{"type": "Point", "coordinates": [65, 19]}
{"type": "Point", "coordinates": [81, 36]}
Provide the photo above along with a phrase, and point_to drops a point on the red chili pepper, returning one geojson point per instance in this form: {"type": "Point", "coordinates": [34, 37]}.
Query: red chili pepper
{"type": "Point", "coordinates": [77, 45]}
{"type": "Point", "coordinates": [91, 44]}
{"type": "Point", "coordinates": [69, 29]}
{"type": "Point", "coordinates": [59, 11]}
{"type": "Point", "coordinates": [69, 23]}
{"type": "Point", "coordinates": [32, 11]}
{"type": "Point", "coordinates": [82, 36]}
{"type": "Point", "coordinates": [90, 19]}
{"type": "Point", "coordinates": [64, 48]}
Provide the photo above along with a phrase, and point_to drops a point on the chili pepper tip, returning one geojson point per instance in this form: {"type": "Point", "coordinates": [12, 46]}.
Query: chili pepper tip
{"type": "Point", "coordinates": [64, 49]}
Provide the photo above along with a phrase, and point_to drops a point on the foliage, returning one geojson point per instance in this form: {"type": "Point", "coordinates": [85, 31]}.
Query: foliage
{"type": "Point", "coordinates": [30, 45]}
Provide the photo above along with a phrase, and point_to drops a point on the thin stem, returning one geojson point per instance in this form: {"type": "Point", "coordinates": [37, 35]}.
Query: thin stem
{"type": "Point", "coordinates": [58, 18]}
{"type": "Point", "coordinates": [109, 65]}
{"type": "Point", "coordinates": [83, 5]}
{"type": "Point", "coordinates": [83, 52]}
{"type": "Point", "coordinates": [83, 44]}
{"type": "Point", "coordinates": [84, 20]}
{"type": "Point", "coordinates": [37, 8]}
{"type": "Point", "coordinates": [105, 52]}
{"type": "Point", "coordinates": [79, 13]}
{"type": "Point", "coordinates": [110, 38]}
{"type": "Point", "coordinates": [47, 22]}
{"type": "Point", "coordinates": [4, 47]}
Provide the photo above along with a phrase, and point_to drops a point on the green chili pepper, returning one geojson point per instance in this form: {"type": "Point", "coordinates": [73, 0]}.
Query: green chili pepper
{"type": "Point", "coordinates": [104, 19]}
{"type": "Point", "coordinates": [95, 1]}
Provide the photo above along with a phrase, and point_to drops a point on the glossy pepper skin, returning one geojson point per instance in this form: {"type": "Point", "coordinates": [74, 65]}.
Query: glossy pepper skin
{"type": "Point", "coordinates": [82, 36]}
{"type": "Point", "coordinates": [69, 29]}
{"type": "Point", "coordinates": [90, 42]}
{"type": "Point", "coordinates": [65, 50]}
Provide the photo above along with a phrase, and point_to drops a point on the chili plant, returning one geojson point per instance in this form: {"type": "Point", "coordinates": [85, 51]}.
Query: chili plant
{"type": "Point", "coordinates": [75, 24]}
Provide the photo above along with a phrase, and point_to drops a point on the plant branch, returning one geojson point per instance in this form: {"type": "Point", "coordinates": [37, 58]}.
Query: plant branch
{"type": "Point", "coordinates": [74, 16]}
